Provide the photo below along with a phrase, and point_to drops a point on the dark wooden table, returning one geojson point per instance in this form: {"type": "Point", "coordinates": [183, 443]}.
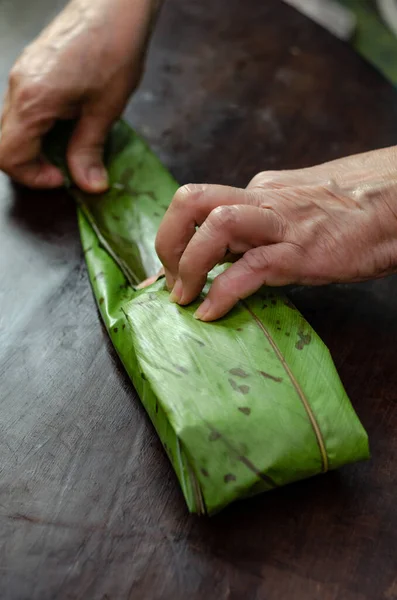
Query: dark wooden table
{"type": "Point", "coordinates": [89, 506]}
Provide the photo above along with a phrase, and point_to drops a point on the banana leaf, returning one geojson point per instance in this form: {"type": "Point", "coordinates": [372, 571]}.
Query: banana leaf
{"type": "Point", "coordinates": [242, 405]}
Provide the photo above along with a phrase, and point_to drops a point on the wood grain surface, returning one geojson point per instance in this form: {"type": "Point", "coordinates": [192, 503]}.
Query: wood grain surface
{"type": "Point", "coordinates": [89, 506]}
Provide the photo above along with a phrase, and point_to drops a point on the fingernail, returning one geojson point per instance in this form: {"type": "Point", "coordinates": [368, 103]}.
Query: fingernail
{"type": "Point", "coordinates": [177, 291]}
{"type": "Point", "coordinates": [98, 178]}
{"type": "Point", "coordinates": [202, 310]}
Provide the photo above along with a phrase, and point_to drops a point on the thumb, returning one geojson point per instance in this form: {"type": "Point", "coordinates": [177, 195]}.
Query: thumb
{"type": "Point", "coordinates": [85, 154]}
{"type": "Point", "coordinates": [274, 265]}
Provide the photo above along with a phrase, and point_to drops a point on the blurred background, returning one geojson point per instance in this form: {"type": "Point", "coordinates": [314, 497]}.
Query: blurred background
{"type": "Point", "coordinates": [369, 25]}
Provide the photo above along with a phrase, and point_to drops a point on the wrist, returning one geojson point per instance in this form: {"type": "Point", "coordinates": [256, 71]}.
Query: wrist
{"type": "Point", "coordinates": [129, 22]}
{"type": "Point", "coordinates": [133, 21]}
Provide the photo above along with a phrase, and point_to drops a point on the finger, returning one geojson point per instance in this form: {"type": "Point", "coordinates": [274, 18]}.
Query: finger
{"type": "Point", "coordinates": [85, 153]}
{"type": "Point", "coordinates": [20, 153]}
{"type": "Point", "coordinates": [150, 280]}
{"type": "Point", "coordinates": [235, 228]}
{"type": "Point", "coordinates": [190, 207]}
{"type": "Point", "coordinates": [275, 265]}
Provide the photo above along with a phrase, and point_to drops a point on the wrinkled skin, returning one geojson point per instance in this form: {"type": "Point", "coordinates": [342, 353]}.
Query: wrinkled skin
{"type": "Point", "coordinates": [335, 222]}
{"type": "Point", "coordinates": [84, 65]}
{"type": "Point", "coordinates": [330, 223]}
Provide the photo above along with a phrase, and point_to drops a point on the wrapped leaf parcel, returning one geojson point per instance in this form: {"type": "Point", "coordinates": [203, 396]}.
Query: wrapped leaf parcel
{"type": "Point", "coordinates": [242, 405]}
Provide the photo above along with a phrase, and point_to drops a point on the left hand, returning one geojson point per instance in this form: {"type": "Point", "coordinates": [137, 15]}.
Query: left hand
{"type": "Point", "coordinates": [335, 222]}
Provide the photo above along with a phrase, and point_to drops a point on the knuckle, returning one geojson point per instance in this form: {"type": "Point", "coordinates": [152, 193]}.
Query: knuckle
{"type": "Point", "coordinates": [187, 193]}
{"type": "Point", "coordinates": [25, 93]}
{"type": "Point", "coordinates": [222, 217]}
{"type": "Point", "coordinates": [256, 180]}
{"type": "Point", "coordinates": [29, 98]}
{"type": "Point", "coordinates": [256, 260]}
{"type": "Point", "coordinates": [14, 76]}
{"type": "Point", "coordinates": [266, 179]}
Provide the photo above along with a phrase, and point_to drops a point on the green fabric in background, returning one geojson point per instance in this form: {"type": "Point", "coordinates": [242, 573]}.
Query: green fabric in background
{"type": "Point", "coordinates": [373, 39]}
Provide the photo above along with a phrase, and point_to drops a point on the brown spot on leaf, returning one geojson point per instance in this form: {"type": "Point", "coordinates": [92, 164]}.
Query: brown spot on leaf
{"type": "Point", "coordinates": [264, 305]}
{"type": "Point", "coordinates": [287, 334]}
{"type": "Point", "coordinates": [245, 410]}
{"type": "Point", "coordinates": [115, 329]}
{"type": "Point", "coordinates": [288, 303]}
{"type": "Point", "coordinates": [272, 377]}
{"type": "Point", "coordinates": [238, 372]}
{"type": "Point", "coordinates": [258, 473]}
{"type": "Point", "coordinates": [205, 472]}
{"type": "Point", "coordinates": [229, 477]}
{"type": "Point", "coordinates": [151, 194]}
{"type": "Point", "coordinates": [188, 335]}
{"type": "Point", "coordinates": [123, 325]}
{"type": "Point", "coordinates": [115, 217]}
{"type": "Point", "coordinates": [239, 329]}
{"type": "Point", "coordinates": [126, 176]}
{"type": "Point", "coordinates": [243, 389]}
{"type": "Point", "coordinates": [233, 384]}
{"type": "Point", "coordinates": [278, 322]}
{"type": "Point", "coordinates": [101, 300]}
{"type": "Point", "coordinates": [156, 214]}
{"type": "Point", "coordinates": [214, 435]}
{"type": "Point", "coordinates": [304, 340]}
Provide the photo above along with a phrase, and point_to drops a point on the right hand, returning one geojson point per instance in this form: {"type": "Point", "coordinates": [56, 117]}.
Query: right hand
{"type": "Point", "coordinates": [83, 66]}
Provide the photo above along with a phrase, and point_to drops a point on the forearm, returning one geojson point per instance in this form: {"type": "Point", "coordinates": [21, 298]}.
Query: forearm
{"type": "Point", "coordinates": [136, 17]}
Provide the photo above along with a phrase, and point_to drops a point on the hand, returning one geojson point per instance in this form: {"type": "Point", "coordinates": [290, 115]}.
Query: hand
{"type": "Point", "coordinates": [84, 66]}
{"type": "Point", "coordinates": [335, 222]}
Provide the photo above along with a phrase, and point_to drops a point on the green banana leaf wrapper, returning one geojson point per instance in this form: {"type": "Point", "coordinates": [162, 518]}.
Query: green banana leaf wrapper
{"type": "Point", "coordinates": [242, 405]}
